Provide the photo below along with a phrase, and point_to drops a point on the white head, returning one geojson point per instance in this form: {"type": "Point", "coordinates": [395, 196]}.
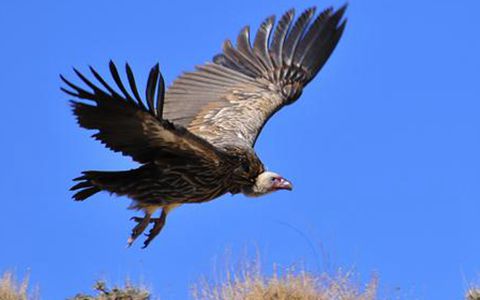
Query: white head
{"type": "Point", "coordinates": [266, 183]}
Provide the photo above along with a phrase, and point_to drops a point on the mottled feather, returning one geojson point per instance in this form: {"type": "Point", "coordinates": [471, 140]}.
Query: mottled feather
{"type": "Point", "coordinates": [228, 102]}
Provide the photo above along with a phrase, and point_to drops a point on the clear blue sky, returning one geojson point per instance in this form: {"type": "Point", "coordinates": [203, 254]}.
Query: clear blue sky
{"type": "Point", "coordinates": [383, 148]}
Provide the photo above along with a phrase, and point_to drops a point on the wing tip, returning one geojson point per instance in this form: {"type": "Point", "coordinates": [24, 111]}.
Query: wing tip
{"type": "Point", "coordinates": [341, 11]}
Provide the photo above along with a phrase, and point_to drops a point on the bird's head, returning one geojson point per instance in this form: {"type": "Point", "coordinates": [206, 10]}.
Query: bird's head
{"type": "Point", "coordinates": [268, 182]}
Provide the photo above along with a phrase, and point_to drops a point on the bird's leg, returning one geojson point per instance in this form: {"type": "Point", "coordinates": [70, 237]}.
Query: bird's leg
{"type": "Point", "coordinates": [158, 224]}
{"type": "Point", "coordinates": [142, 224]}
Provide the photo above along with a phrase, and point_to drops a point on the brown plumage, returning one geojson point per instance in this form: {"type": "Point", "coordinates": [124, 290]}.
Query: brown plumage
{"type": "Point", "coordinates": [195, 143]}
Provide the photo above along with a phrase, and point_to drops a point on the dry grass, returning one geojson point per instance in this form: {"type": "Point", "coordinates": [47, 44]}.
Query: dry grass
{"type": "Point", "coordinates": [250, 284]}
{"type": "Point", "coordinates": [473, 294]}
{"type": "Point", "coordinates": [247, 285]}
{"type": "Point", "coordinates": [10, 289]}
{"type": "Point", "coordinates": [128, 292]}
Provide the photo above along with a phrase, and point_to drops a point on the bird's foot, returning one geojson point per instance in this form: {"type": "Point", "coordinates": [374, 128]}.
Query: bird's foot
{"type": "Point", "coordinates": [142, 224]}
{"type": "Point", "coordinates": [158, 224]}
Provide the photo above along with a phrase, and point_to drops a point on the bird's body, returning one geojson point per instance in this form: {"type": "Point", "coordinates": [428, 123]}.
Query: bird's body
{"type": "Point", "coordinates": [195, 143]}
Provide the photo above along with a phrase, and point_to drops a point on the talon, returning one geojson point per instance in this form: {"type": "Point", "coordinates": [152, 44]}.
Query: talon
{"type": "Point", "coordinates": [139, 228]}
{"type": "Point", "coordinates": [157, 227]}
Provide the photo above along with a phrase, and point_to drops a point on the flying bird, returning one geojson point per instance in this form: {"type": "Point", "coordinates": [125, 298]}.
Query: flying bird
{"type": "Point", "coordinates": [194, 142]}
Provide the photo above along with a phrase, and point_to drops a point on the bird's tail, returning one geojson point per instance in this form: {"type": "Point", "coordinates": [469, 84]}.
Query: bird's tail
{"type": "Point", "coordinates": [92, 182]}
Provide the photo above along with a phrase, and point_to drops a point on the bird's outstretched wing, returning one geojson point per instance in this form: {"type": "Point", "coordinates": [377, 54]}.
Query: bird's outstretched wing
{"type": "Point", "coordinates": [229, 101]}
{"type": "Point", "coordinates": [128, 125]}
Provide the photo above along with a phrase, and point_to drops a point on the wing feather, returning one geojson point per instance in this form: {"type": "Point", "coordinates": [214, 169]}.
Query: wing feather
{"type": "Point", "coordinates": [133, 86]}
{"type": "Point", "coordinates": [150, 90]}
{"type": "Point", "coordinates": [244, 47]}
{"type": "Point", "coordinates": [118, 82]}
{"type": "Point", "coordinates": [279, 36]}
{"type": "Point", "coordinates": [310, 37]}
{"type": "Point", "coordinates": [230, 100]}
{"type": "Point", "coordinates": [243, 61]}
{"type": "Point", "coordinates": [103, 82]}
{"type": "Point", "coordinates": [296, 34]}
{"type": "Point", "coordinates": [132, 128]}
{"type": "Point", "coordinates": [260, 47]}
{"type": "Point", "coordinates": [161, 97]}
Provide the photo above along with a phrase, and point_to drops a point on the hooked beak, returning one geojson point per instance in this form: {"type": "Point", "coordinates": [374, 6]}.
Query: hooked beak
{"type": "Point", "coordinates": [283, 184]}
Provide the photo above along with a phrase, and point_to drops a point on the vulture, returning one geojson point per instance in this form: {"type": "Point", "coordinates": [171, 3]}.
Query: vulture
{"type": "Point", "coordinates": [194, 141]}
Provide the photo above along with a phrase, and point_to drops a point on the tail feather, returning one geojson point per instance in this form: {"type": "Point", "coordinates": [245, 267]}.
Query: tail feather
{"type": "Point", "coordinates": [92, 182]}
{"type": "Point", "coordinates": [85, 193]}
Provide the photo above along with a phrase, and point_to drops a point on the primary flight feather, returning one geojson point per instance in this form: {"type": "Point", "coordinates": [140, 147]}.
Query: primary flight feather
{"type": "Point", "coordinates": [195, 141]}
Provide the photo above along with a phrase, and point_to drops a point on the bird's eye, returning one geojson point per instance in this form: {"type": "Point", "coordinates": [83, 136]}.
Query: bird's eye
{"type": "Point", "coordinates": [274, 179]}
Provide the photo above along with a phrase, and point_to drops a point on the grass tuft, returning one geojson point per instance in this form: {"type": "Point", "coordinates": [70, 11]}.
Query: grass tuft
{"type": "Point", "coordinates": [473, 294]}
{"type": "Point", "coordinates": [128, 292]}
{"type": "Point", "coordinates": [10, 289]}
{"type": "Point", "coordinates": [250, 284]}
